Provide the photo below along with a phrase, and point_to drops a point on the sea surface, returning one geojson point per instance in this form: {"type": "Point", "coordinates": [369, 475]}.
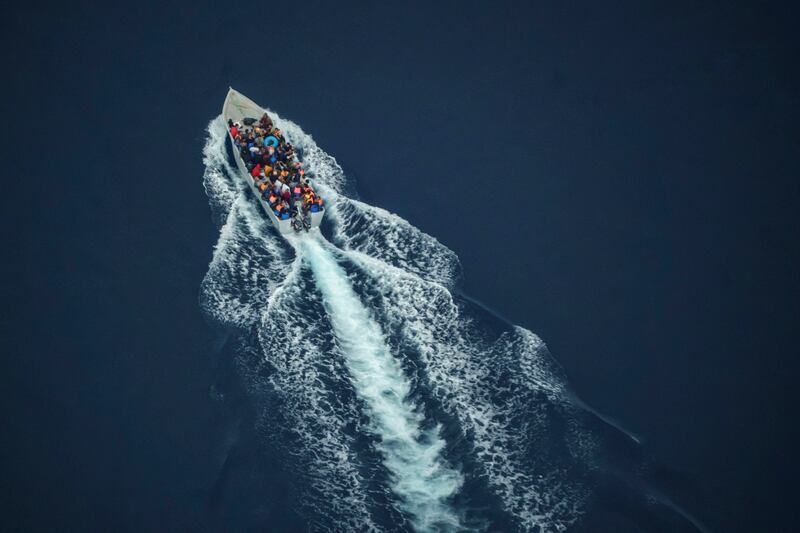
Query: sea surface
{"type": "Point", "coordinates": [556, 287]}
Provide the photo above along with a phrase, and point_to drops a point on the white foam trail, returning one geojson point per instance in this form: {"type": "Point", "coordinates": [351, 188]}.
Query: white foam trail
{"type": "Point", "coordinates": [420, 478]}
{"type": "Point", "coordinates": [501, 390]}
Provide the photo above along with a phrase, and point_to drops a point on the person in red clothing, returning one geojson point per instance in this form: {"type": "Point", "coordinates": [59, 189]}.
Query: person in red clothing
{"type": "Point", "coordinates": [256, 170]}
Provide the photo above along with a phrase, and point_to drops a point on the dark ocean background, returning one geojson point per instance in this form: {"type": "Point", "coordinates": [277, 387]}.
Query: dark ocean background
{"type": "Point", "coordinates": [651, 151]}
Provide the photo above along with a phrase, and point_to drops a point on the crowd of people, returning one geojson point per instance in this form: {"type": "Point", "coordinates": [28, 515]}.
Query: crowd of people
{"type": "Point", "coordinates": [272, 164]}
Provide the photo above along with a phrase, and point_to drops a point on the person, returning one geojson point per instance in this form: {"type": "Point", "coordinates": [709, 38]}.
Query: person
{"type": "Point", "coordinates": [256, 170]}
{"type": "Point", "coordinates": [245, 153]}
{"type": "Point", "coordinates": [308, 199]}
{"type": "Point", "coordinates": [265, 121]}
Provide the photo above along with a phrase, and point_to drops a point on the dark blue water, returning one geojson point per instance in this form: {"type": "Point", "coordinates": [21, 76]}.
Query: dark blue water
{"type": "Point", "coordinates": [653, 249]}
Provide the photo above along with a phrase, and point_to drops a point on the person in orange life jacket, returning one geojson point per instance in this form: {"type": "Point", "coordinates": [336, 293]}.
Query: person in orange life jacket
{"type": "Point", "coordinates": [281, 208]}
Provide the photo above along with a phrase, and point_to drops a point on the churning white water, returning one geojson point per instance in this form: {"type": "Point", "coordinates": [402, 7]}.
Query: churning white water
{"type": "Point", "coordinates": [324, 332]}
{"type": "Point", "coordinates": [413, 457]}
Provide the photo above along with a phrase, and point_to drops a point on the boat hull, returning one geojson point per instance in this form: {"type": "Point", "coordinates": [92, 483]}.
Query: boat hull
{"type": "Point", "coordinates": [236, 108]}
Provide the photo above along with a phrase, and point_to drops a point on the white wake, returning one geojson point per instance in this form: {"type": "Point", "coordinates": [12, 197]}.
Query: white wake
{"type": "Point", "coordinates": [419, 477]}
{"type": "Point", "coordinates": [323, 331]}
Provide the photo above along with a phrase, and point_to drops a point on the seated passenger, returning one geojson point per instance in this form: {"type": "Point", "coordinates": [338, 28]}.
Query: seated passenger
{"type": "Point", "coordinates": [245, 153]}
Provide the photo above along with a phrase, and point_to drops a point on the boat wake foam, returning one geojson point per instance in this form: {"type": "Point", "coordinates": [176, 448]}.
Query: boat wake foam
{"type": "Point", "coordinates": [393, 399]}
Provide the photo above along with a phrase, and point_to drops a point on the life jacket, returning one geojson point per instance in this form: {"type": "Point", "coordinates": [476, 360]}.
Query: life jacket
{"type": "Point", "coordinates": [256, 171]}
{"type": "Point", "coordinates": [297, 191]}
{"type": "Point", "coordinates": [267, 169]}
{"type": "Point", "coordinates": [279, 208]}
{"type": "Point", "coordinates": [262, 186]}
{"type": "Point", "coordinates": [320, 201]}
{"type": "Point", "coordinates": [234, 132]}
{"type": "Point", "coordinates": [272, 198]}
